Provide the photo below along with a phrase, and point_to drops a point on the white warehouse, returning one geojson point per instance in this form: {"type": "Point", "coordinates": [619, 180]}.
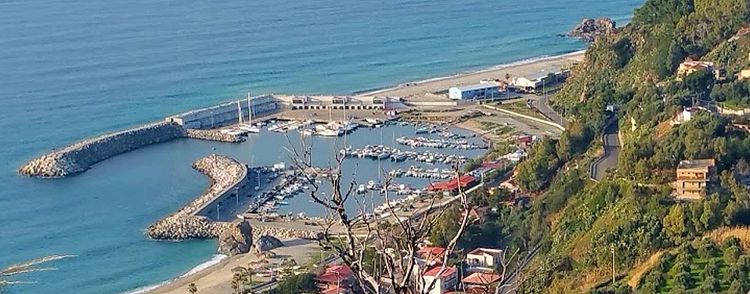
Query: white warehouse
{"type": "Point", "coordinates": [477, 91]}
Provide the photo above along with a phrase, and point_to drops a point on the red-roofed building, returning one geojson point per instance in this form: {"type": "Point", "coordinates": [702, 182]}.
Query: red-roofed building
{"type": "Point", "coordinates": [335, 279]}
{"type": "Point", "coordinates": [481, 281]}
{"type": "Point", "coordinates": [452, 184]}
{"type": "Point", "coordinates": [432, 253]}
{"type": "Point", "coordinates": [447, 280]}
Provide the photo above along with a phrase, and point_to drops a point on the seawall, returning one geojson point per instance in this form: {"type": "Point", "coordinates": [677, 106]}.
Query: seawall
{"type": "Point", "coordinates": [80, 156]}
{"type": "Point", "coordinates": [225, 174]}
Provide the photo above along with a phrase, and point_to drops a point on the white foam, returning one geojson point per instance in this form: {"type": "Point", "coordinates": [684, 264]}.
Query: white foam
{"type": "Point", "coordinates": [214, 260]}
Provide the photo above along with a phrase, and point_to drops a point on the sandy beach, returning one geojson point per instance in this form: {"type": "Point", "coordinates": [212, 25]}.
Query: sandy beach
{"type": "Point", "coordinates": [217, 278]}
{"type": "Point", "coordinates": [423, 89]}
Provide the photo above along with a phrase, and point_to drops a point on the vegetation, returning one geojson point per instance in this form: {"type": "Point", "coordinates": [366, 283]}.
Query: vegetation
{"type": "Point", "coordinates": [577, 223]}
{"type": "Point", "coordinates": [294, 284]}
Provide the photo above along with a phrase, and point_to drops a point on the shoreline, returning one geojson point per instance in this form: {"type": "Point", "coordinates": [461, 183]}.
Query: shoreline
{"type": "Point", "coordinates": [212, 265]}
{"type": "Point", "coordinates": [493, 68]}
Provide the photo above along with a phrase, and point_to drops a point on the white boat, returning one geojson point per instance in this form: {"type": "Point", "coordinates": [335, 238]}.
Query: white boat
{"type": "Point", "coordinates": [250, 128]}
{"type": "Point", "coordinates": [283, 203]}
{"type": "Point", "coordinates": [307, 132]}
{"type": "Point", "coordinates": [361, 189]}
{"type": "Point", "coordinates": [329, 133]}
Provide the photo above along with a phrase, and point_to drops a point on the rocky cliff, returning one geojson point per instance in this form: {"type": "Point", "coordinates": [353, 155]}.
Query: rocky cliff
{"type": "Point", "coordinates": [589, 29]}
{"type": "Point", "coordinates": [236, 238]}
{"type": "Point", "coordinates": [80, 156]}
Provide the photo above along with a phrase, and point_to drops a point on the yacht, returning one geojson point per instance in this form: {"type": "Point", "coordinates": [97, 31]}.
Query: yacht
{"type": "Point", "coordinates": [330, 133]}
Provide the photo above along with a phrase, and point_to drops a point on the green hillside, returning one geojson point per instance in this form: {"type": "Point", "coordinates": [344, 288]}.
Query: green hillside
{"type": "Point", "coordinates": [578, 222]}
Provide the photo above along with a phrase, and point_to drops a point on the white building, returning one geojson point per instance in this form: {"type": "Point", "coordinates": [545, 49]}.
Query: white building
{"type": "Point", "coordinates": [536, 81]}
{"type": "Point", "coordinates": [483, 258]}
{"type": "Point", "coordinates": [339, 102]}
{"type": "Point", "coordinates": [476, 91]}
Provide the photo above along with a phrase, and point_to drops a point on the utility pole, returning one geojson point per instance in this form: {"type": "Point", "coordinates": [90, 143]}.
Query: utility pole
{"type": "Point", "coordinates": [613, 264]}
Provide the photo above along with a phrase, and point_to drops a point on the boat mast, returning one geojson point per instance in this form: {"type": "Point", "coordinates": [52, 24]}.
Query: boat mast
{"type": "Point", "coordinates": [239, 112]}
{"type": "Point", "coordinates": [249, 110]}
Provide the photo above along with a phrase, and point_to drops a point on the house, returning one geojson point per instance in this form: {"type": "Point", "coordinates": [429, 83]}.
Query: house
{"type": "Point", "coordinates": [431, 254]}
{"type": "Point", "coordinates": [476, 215]}
{"type": "Point", "coordinates": [685, 116]}
{"type": "Point", "coordinates": [483, 259]}
{"type": "Point", "coordinates": [446, 281]}
{"type": "Point", "coordinates": [477, 91]}
{"type": "Point", "coordinates": [689, 67]}
{"type": "Point", "coordinates": [743, 74]}
{"type": "Point", "coordinates": [465, 181]}
{"type": "Point", "coordinates": [532, 83]}
{"type": "Point", "coordinates": [335, 279]}
{"type": "Point", "coordinates": [481, 282]}
{"type": "Point", "coordinates": [693, 177]}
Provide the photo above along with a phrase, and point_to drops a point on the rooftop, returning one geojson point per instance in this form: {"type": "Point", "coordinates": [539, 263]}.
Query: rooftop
{"type": "Point", "coordinates": [430, 251]}
{"type": "Point", "coordinates": [696, 164]}
{"type": "Point", "coordinates": [481, 279]}
{"type": "Point", "coordinates": [477, 86]}
{"type": "Point", "coordinates": [435, 269]}
{"type": "Point", "coordinates": [486, 250]}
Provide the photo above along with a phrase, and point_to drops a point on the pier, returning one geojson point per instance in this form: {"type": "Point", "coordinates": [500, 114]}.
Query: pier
{"type": "Point", "coordinates": [227, 177]}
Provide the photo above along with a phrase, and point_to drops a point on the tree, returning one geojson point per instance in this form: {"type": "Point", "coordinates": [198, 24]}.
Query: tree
{"type": "Point", "coordinates": [348, 233]}
{"type": "Point", "coordinates": [732, 254]}
{"type": "Point", "coordinates": [676, 224]}
{"type": "Point", "coordinates": [736, 287]}
{"type": "Point", "coordinates": [192, 288]}
{"type": "Point", "coordinates": [294, 284]}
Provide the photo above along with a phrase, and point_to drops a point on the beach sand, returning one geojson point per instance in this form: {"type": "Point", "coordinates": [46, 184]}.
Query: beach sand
{"type": "Point", "coordinates": [424, 89]}
{"type": "Point", "coordinates": [218, 278]}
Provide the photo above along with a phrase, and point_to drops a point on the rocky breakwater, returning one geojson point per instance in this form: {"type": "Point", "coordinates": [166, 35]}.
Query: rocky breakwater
{"type": "Point", "coordinates": [213, 135]}
{"type": "Point", "coordinates": [589, 29]}
{"type": "Point", "coordinates": [81, 156]}
{"type": "Point", "coordinates": [234, 238]}
{"type": "Point", "coordinates": [287, 233]}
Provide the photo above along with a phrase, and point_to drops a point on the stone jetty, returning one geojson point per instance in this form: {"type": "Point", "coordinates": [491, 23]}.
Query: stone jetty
{"type": "Point", "coordinates": [213, 135]}
{"type": "Point", "coordinates": [224, 173]}
{"type": "Point", "coordinates": [81, 156]}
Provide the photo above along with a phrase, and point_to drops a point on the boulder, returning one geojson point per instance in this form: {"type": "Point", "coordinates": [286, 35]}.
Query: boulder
{"type": "Point", "coordinates": [236, 238]}
{"type": "Point", "coordinates": [266, 243]}
{"type": "Point", "coordinates": [589, 29]}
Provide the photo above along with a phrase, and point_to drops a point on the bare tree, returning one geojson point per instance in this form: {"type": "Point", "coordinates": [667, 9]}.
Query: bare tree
{"type": "Point", "coordinates": [349, 233]}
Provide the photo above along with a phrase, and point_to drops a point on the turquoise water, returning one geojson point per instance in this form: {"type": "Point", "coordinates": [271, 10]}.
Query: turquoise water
{"type": "Point", "coordinates": [70, 69]}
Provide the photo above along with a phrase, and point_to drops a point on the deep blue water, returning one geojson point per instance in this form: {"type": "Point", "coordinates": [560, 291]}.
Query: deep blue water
{"type": "Point", "coordinates": [71, 69]}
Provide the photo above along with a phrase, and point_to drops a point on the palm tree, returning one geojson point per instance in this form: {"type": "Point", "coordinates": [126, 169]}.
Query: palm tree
{"type": "Point", "coordinates": [192, 289]}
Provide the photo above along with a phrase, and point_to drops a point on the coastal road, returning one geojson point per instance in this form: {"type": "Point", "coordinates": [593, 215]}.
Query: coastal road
{"type": "Point", "coordinates": [611, 152]}
{"type": "Point", "coordinates": [542, 104]}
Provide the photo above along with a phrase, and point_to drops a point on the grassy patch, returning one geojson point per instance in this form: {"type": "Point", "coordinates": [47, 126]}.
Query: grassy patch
{"type": "Point", "coordinates": [520, 107]}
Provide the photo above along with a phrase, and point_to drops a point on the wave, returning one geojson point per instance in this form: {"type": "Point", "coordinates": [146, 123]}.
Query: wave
{"type": "Point", "coordinates": [214, 260]}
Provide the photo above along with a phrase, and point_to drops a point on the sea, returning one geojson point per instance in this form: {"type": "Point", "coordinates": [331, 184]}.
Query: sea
{"type": "Point", "coordinates": [70, 69]}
